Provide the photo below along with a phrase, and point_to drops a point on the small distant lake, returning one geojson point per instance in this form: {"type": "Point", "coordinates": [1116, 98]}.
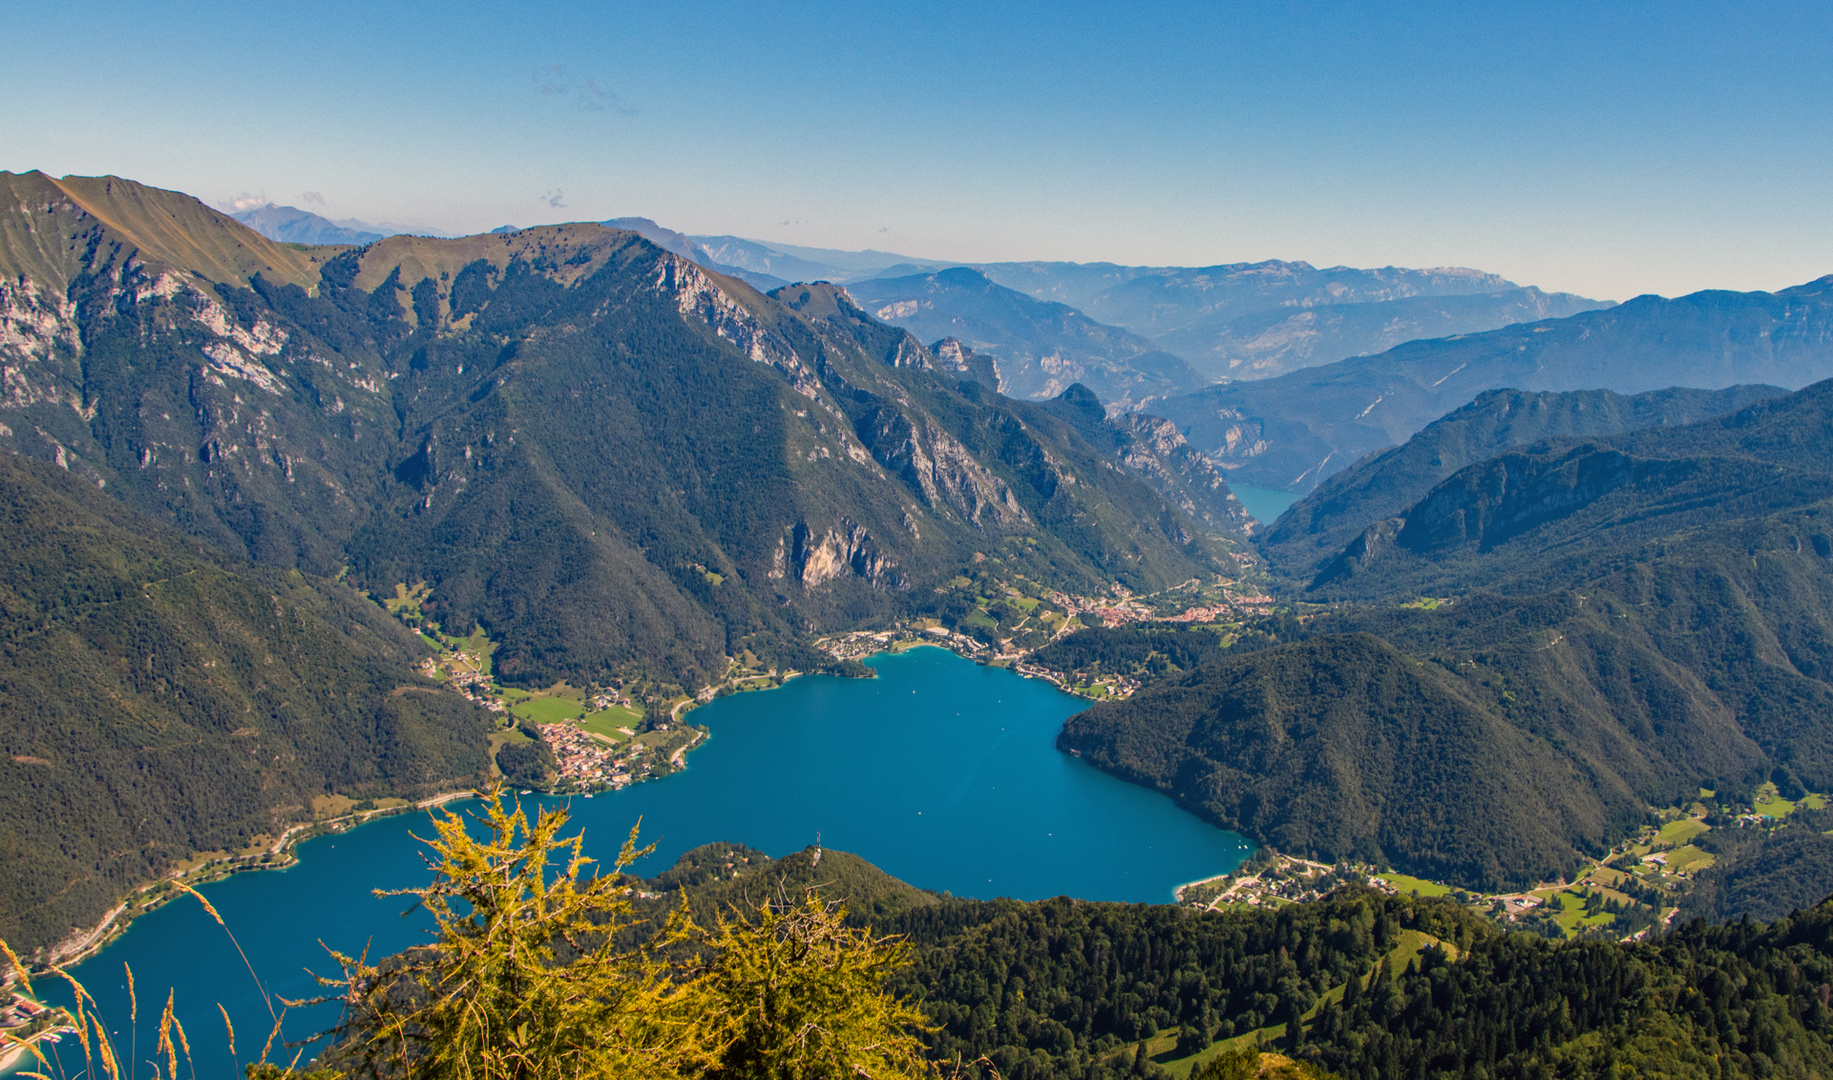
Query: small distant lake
{"type": "Point", "coordinates": [1265, 504]}
{"type": "Point", "coordinates": [941, 772]}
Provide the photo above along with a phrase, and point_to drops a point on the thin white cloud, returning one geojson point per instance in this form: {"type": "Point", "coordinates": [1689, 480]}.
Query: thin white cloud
{"type": "Point", "coordinates": [245, 201]}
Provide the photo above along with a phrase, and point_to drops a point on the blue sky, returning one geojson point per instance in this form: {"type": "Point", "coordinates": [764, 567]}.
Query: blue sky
{"type": "Point", "coordinates": [1603, 149]}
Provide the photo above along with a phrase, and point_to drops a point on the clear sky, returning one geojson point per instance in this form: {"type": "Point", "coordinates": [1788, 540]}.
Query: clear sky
{"type": "Point", "coordinates": [1608, 149]}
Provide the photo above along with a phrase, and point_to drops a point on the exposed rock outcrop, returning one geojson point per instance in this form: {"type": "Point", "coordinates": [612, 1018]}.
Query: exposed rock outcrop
{"type": "Point", "coordinates": [846, 548]}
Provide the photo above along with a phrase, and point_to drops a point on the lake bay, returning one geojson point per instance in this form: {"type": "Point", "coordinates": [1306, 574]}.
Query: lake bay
{"type": "Point", "coordinates": [942, 772]}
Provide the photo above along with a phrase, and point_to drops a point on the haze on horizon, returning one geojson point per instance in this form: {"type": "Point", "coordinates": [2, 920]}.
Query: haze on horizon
{"type": "Point", "coordinates": [1645, 148]}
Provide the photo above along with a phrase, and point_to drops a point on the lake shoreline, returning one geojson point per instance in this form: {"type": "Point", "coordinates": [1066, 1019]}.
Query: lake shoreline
{"type": "Point", "coordinates": [166, 888]}
{"type": "Point", "coordinates": [153, 895]}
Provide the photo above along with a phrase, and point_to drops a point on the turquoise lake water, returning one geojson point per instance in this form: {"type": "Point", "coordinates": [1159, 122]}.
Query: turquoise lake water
{"type": "Point", "coordinates": [1264, 503]}
{"type": "Point", "coordinates": [941, 772]}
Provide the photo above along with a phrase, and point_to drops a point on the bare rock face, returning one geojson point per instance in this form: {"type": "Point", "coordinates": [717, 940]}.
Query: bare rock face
{"type": "Point", "coordinates": [699, 296]}
{"type": "Point", "coordinates": [39, 344]}
{"type": "Point", "coordinates": [1156, 449]}
{"type": "Point", "coordinates": [842, 549]}
{"type": "Point", "coordinates": [934, 465]}
{"type": "Point", "coordinates": [953, 356]}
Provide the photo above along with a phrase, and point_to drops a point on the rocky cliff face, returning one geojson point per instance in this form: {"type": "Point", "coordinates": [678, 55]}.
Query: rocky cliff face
{"type": "Point", "coordinates": [846, 548]}
{"type": "Point", "coordinates": [940, 469]}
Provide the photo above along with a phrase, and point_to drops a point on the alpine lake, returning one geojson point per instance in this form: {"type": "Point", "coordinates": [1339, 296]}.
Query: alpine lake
{"type": "Point", "coordinates": [940, 771]}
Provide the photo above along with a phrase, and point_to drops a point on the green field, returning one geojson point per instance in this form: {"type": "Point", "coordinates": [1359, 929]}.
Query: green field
{"type": "Point", "coordinates": [547, 710]}
{"type": "Point", "coordinates": [606, 722]}
{"type": "Point", "coordinates": [1416, 886]}
{"type": "Point", "coordinates": [1777, 807]}
{"type": "Point", "coordinates": [1572, 913]}
{"type": "Point", "coordinates": [1688, 858]}
{"type": "Point", "coordinates": [1682, 832]}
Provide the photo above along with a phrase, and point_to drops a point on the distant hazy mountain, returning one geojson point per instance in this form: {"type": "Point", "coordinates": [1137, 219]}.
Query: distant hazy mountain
{"type": "Point", "coordinates": [1274, 341]}
{"type": "Point", "coordinates": [391, 228]}
{"type": "Point", "coordinates": [756, 258]}
{"type": "Point", "coordinates": [1042, 348]}
{"type": "Point", "coordinates": [1256, 320]}
{"type": "Point", "coordinates": [1292, 431]}
{"type": "Point", "coordinates": [1385, 484]}
{"type": "Point", "coordinates": [1242, 320]}
{"type": "Point", "coordinates": [292, 225]}
{"type": "Point", "coordinates": [831, 264]}
{"type": "Point", "coordinates": [689, 248]}
{"type": "Point", "coordinates": [767, 265]}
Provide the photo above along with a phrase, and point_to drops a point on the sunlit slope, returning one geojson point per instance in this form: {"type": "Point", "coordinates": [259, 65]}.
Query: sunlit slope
{"type": "Point", "coordinates": [90, 224]}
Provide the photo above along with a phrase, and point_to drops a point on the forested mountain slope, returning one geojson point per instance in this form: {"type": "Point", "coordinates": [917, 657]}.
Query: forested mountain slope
{"type": "Point", "coordinates": [157, 700]}
{"type": "Point", "coordinates": [1384, 484]}
{"type": "Point", "coordinates": [1628, 623]}
{"type": "Point", "coordinates": [1368, 986]}
{"type": "Point", "coordinates": [602, 452]}
{"type": "Point", "coordinates": [1294, 431]}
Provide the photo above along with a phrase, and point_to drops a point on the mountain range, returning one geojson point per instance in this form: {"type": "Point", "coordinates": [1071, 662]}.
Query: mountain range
{"type": "Point", "coordinates": [477, 413]}
{"type": "Point", "coordinates": [1040, 348]}
{"type": "Point", "coordinates": [1293, 431]}
{"type": "Point", "coordinates": [1256, 320]}
{"type": "Point", "coordinates": [1384, 484]}
{"type": "Point", "coordinates": [1560, 603]}
{"type": "Point", "coordinates": [1132, 333]}
{"type": "Point", "coordinates": [291, 225]}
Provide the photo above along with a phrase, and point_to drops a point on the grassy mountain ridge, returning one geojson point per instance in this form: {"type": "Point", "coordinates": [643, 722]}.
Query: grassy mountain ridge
{"type": "Point", "coordinates": [157, 700]}
{"type": "Point", "coordinates": [1293, 431]}
{"type": "Point", "coordinates": [83, 224]}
